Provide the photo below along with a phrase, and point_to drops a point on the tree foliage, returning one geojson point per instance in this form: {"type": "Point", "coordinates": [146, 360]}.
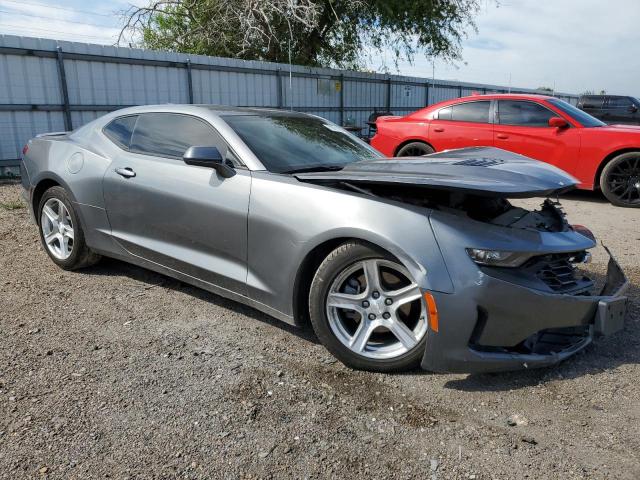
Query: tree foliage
{"type": "Point", "coordinates": [336, 33]}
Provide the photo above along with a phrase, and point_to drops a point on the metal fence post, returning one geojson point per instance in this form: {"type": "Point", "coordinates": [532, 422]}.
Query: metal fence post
{"type": "Point", "coordinates": [279, 87]}
{"type": "Point", "coordinates": [388, 100]}
{"type": "Point", "coordinates": [341, 99]}
{"type": "Point", "coordinates": [426, 94]}
{"type": "Point", "coordinates": [189, 80]}
{"type": "Point", "coordinates": [459, 91]}
{"type": "Point", "coordinates": [68, 124]}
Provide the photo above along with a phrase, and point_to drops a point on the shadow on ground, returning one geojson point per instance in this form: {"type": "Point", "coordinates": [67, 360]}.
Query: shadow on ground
{"type": "Point", "coordinates": [584, 196]}
{"type": "Point", "coordinates": [111, 267]}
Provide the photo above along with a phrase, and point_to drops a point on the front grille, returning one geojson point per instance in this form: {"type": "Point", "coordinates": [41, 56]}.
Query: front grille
{"type": "Point", "coordinates": [558, 273]}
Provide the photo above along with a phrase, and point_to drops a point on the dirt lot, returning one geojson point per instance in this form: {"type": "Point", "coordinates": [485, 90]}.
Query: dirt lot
{"type": "Point", "coordinates": [122, 373]}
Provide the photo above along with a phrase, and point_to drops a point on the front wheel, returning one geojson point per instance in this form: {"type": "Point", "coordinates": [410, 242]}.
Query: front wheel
{"type": "Point", "coordinates": [620, 180]}
{"type": "Point", "coordinates": [61, 233]}
{"type": "Point", "coordinates": [367, 311]}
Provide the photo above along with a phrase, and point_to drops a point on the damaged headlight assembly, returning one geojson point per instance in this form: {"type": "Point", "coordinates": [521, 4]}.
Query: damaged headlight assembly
{"type": "Point", "coordinates": [498, 258]}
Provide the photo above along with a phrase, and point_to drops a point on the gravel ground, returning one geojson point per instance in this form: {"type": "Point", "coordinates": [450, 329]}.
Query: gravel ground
{"type": "Point", "coordinates": [119, 372]}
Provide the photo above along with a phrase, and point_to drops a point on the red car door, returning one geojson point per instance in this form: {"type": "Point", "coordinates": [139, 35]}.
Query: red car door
{"type": "Point", "coordinates": [522, 126]}
{"type": "Point", "coordinates": [462, 125]}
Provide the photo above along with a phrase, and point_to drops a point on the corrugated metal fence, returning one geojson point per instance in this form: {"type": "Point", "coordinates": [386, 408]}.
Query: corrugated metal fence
{"type": "Point", "coordinates": [48, 85]}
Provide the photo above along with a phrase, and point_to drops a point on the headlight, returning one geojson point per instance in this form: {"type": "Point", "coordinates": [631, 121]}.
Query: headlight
{"type": "Point", "coordinates": [497, 258]}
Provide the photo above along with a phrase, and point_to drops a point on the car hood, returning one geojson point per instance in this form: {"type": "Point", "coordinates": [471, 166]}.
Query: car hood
{"type": "Point", "coordinates": [483, 171]}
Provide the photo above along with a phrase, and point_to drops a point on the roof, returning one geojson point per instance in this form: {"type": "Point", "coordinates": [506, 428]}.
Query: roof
{"type": "Point", "coordinates": [216, 109]}
{"type": "Point", "coordinates": [514, 96]}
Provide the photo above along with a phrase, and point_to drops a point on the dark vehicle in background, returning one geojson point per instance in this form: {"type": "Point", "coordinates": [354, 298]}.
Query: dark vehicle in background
{"type": "Point", "coordinates": [618, 109]}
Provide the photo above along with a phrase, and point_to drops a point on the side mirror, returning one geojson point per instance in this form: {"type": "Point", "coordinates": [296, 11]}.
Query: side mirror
{"type": "Point", "coordinates": [558, 122]}
{"type": "Point", "coordinates": [208, 157]}
{"type": "Point", "coordinates": [632, 109]}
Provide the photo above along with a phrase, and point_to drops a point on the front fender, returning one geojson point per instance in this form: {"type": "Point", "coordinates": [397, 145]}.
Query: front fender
{"type": "Point", "coordinates": [424, 261]}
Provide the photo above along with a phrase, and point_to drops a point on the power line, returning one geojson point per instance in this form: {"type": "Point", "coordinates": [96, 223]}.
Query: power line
{"type": "Point", "coordinates": [26, 29]}
{"type": "Point", "coordinates": [55, 19]}
{"type": "Point", "coordinates": [36, 4]}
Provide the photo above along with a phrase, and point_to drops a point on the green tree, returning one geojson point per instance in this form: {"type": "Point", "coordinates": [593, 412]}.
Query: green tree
{"type": "Point", "coordinates": [335, 33]}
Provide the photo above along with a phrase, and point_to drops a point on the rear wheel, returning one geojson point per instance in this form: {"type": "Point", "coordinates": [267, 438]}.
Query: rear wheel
{"type": "Point", "coordinates": [620, 180]}
{"type": "Point", "coordinates": [367, 311]}
{"type": "Point", "coordinates": [415, 149]}
{"type": "Point", "coordinates": [61, 233]}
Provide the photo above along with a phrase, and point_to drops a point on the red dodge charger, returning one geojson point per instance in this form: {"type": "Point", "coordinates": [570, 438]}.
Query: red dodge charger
{"type": "Point", "coordinates": [541, 127]}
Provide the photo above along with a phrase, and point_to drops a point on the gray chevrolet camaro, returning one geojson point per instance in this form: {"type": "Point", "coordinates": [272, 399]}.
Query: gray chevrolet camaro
{"type": "Point", "coordinates": [394, 262]}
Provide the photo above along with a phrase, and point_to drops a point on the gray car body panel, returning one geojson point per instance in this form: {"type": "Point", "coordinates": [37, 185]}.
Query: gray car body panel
{"type": "Point", "coordinates": [246, 237]}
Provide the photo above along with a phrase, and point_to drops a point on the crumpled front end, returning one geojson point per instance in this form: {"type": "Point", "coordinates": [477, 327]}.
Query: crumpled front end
{"type": "Point", "coordinates": [533, 315]}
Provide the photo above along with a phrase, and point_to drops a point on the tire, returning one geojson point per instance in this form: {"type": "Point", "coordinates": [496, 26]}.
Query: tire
{"type": "Point", "coordinates": [415, 149]}
{"type": "Point", "coordinates": [337, 327]}
{"type": "Point", "coordinates": [68, 249]}
{"type": "Point", "coordinates": [620, 180]}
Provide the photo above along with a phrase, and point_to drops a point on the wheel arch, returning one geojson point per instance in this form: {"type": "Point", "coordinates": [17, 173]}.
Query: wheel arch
{"type": "Point", "coordinates": [42, 186]}
{"type": "Point", "coordinates": [309, 266]}
{"type": "Point", "coordinates": [411, 140]}
{"type": "Point", "coordinates": [606, 160]}
{"type": "Point", "coordinates": [42, 183]}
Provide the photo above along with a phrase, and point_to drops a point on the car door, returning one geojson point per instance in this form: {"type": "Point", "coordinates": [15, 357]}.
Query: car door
{"type": "Point", "coordinates": [183, 217]}
{"type": "Point", "coordinates": [465, 124]}
{"type": "Point", "coordinates": [522, 126]}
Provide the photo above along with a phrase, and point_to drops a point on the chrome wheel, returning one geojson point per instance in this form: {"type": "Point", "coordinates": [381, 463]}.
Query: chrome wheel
{"type": "Point", "coordinates": [57, 228]}
{"type": "Point", "coordinates": [376, 310]}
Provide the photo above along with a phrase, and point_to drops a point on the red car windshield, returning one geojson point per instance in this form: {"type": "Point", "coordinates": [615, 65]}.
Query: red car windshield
{"type": "Point", "coordinates": [583, 117]}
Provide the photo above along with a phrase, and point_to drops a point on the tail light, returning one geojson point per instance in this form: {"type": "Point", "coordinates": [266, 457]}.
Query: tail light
{"type": "Point", "coordinates": [25, 149]}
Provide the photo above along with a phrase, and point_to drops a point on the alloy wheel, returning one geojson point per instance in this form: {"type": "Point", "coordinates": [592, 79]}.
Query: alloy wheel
{"type": "Point", "coordinates": [376, 310]}
{"type": "Point", "coordinates": [624, 181]}
{"type": "Point", "coordinates": [57, 228]}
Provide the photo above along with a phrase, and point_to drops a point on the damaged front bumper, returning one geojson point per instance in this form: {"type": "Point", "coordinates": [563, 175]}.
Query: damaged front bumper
{"type": "Point", "coordinates": [518, 327]}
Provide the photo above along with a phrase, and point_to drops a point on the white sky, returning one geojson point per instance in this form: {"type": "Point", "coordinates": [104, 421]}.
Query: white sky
{"type": "Point", "coordinates": [573, 45]}
{"type": "Point", "coordinates": [577, 45]}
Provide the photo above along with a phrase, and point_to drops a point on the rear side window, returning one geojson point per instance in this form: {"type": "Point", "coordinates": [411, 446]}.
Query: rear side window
{"type": "Point", "coordinates": [620, 102]}
{"type": "Point", "coordinates": [119, 130]}
{"type": "Point", "coordinates": [477, 112]}
{"type": "Point", "coordinates": [170, 135]}
{"type": "Point", "coordinates": [525, 114]}
{"type": "Point", "coordinates": [592, 101]}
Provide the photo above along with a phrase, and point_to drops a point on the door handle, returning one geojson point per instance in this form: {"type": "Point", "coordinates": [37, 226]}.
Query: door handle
{"type": "Point", "coordinates": [126, 172]}
{"type": "Point", "coordinates": [438, 129]}
{"type": "Point", "coordinates": [502, 136]}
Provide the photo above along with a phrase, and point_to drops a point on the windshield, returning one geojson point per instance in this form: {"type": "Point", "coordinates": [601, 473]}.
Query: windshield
{"type": "Point", "coordinates": [583, 117]}
{"type": "Point", "coordinates": [288, 143]}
